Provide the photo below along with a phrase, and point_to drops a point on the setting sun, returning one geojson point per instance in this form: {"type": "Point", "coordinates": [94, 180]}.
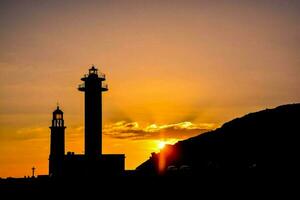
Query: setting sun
{"type": "Point", "coordinates": [161, 144]}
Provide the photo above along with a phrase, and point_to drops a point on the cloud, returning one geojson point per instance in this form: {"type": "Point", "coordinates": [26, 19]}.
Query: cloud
{"type": "Point", "coordinates": [132, 130]}
{"type": "Point", "coordinates": [119, 130]}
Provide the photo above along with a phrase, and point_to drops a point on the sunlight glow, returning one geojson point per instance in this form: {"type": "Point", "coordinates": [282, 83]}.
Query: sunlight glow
{"type": "Point", "coordinates": [161, 144]}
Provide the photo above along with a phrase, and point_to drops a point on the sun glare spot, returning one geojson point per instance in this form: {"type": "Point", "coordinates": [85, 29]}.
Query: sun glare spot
{"type": "Point", "coordinates": [161, 144]}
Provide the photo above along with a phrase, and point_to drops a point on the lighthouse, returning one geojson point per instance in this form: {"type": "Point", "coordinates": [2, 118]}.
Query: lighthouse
{"type": "Point", "coordinates": [93, 85]}
{"type": "Point", "coordinates": [57, 143]}
{"type": "Point", "coordinates": [93, 163]}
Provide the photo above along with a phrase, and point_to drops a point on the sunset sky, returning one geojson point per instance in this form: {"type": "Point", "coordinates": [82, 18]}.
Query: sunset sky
{"type": "Point", "coordinates": [175, 69]}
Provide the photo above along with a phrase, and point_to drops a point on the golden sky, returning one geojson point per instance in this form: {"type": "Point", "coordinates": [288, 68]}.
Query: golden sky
{"type": "Point", "coordinates": [174, 68]}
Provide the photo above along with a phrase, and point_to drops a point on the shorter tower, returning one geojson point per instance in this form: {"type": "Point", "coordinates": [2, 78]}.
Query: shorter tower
{"type": "Point", "coordinates": [57, 144]}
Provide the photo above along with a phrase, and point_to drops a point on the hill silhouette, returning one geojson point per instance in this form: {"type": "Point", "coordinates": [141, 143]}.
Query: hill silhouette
{"type": "Point", "coordinates": [265, 139]}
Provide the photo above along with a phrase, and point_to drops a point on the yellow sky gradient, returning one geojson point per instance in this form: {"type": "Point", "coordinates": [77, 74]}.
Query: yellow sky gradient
{"type": "Point", "coordinates": [173, 67]}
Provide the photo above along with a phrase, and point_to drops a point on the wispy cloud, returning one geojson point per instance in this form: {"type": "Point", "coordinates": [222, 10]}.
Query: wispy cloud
{"type": "Point", "coordinates": [132, 130]}
{"type": "Point", "coordinates": [120, 130]}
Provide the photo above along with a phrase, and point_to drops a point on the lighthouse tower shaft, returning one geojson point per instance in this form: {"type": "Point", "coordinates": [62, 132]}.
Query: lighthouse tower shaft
{"type": "Point", "coordinates": [93, 87]}
{"type": "Point", "coordinates": [57, 144]}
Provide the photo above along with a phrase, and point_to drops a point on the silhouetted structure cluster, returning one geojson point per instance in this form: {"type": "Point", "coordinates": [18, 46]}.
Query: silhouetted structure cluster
{"type": "Point", "coordinates": [93, 163]}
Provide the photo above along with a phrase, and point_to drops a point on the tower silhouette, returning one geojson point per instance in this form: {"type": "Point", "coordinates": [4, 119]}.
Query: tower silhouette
{"type": "Point", "coordinates": [57, 144]}
{"type": "Point", "coordinates": [93, 87]}
{"type": "Point", "coordinates": [92, 163]}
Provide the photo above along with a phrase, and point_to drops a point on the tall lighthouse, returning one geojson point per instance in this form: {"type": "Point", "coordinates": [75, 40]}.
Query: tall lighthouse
{"type": "Point", "coordinates": [93, 85]}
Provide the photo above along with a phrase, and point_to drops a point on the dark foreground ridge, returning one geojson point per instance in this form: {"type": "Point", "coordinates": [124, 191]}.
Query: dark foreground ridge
{"type": "Point", "coordinates": [262, 140]}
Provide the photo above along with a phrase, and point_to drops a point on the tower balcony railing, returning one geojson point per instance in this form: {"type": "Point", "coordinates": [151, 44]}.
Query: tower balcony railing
{"type": "Point", "coordinates": [81, 86]}
{"type": "Point", "coordinates": [100, 75]}
{"type": "Point", "coordinates": [104, 86]}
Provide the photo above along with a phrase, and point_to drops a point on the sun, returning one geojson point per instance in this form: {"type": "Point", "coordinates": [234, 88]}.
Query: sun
{"type": "Point", "coordinates": [161, 144]}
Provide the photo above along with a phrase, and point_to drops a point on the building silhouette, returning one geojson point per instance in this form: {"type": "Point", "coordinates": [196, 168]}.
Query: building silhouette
{"type": "Point", "coordinates": [92, 163]}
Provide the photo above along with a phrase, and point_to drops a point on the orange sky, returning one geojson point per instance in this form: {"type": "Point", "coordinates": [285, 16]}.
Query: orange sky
{"type": "Point", "coordinates": [174, 69]}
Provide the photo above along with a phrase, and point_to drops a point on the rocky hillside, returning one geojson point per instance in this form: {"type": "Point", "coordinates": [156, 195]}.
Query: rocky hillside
{"type": "Point", "coordinates": [264, 139]}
